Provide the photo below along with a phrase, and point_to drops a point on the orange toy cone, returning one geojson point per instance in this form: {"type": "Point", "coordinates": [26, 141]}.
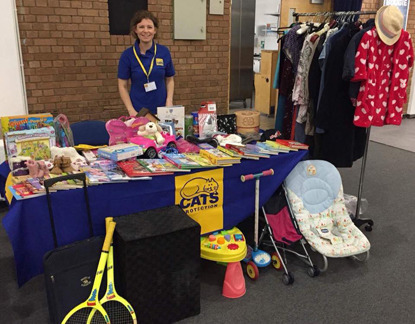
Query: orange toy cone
{"type": "Point", "coordinates": [234, 283]}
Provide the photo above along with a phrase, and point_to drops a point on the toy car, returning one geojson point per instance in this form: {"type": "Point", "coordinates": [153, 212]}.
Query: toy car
{"type": "Point", "coordinates": [150, 147]}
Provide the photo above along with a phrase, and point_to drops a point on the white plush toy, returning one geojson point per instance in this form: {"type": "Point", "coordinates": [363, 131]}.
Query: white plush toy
{"type": "Point", "coordinates": [67, 152]}
{"type": "Point", "coordinates": [153, 131]}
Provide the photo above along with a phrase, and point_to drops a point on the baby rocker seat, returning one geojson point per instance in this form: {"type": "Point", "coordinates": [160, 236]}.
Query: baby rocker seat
{"type": "Point", "coordinates": [315, 196]}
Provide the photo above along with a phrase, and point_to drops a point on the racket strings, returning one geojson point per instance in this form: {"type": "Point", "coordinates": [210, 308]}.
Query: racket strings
{"type": "Point", "coordinates": [82, 315]}
{"type": "Point", "coordinates": [117, 312]}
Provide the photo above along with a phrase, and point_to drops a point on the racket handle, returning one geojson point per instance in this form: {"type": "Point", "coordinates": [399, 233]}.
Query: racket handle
{"type": "Point", "coordinates": [108, 237]}
{"type": "Point", "coordinates": [257, 175]}
{"type": "Point", "coordinates": [107, 222]}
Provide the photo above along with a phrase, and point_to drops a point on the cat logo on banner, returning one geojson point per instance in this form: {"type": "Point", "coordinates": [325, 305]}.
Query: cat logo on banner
{"type": "Point", "coordinates": [200, 195]}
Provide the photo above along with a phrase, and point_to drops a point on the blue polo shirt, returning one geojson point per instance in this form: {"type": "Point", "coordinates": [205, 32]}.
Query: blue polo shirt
{"type": "Point", "coordinates": [129, 68]}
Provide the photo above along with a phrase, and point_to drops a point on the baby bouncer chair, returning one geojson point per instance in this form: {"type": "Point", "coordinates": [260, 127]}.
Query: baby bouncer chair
{"type": "Point", "coordinates": [314, 193]}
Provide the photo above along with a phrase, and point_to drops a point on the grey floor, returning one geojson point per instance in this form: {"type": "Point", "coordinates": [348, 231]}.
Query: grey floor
{"type": "Point", "coordinates": [379, 291]}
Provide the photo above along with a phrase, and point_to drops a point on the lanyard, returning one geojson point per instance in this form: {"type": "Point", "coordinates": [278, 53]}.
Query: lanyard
{"type": "Point", "coordinates": [141, 64]}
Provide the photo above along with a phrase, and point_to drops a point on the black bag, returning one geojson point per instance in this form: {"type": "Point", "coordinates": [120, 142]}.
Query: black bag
{"type": "Point", "coordinates": [227, 123]}
{"type": "Point", "coordinates": [70, 270]}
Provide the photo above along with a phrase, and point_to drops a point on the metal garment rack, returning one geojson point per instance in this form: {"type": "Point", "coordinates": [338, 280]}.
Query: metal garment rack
{"type": "Point", "coordinates": [297, 15]}
{"type": "Point", "coordinates": [357, 220]}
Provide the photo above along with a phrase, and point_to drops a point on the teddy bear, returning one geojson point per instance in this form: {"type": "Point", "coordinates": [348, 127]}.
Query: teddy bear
{"type": "Point", "coordinates": [153, 131]}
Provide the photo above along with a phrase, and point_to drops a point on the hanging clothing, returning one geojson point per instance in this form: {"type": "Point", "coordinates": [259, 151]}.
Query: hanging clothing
{"type": "Point", "coordinates": [342, 142]}
{"type": "Point", "coordinates": [384, 72]}
{"type": "Point", "coordinates": [349, 55]}
{"type": "Point", "coordinates": [300, 91]}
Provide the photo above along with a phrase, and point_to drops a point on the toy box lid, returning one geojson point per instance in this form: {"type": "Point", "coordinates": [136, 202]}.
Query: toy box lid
{"type": "Point", "coordinates": [154, 222]}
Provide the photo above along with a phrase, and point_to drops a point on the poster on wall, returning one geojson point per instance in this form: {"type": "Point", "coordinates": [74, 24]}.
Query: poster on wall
{"type": "Point", "coordinates": [403, 6]}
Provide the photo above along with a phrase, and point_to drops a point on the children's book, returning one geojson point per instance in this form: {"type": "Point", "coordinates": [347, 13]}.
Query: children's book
{"type": "Point", "coordinates": [90, 155]}
{"type": "Point", "coordinates": [103, 164]}
{"type": "Point", "coordinates": [96, 176]}
{"type": "Point", "coordinates": [118, 175]}
{"type": "Point", "coordinates": [120, 151]}
{"type": "Point", "coordinates": [265, 148]}
{"type": "Point", "coordinates": [20, 192]}
{"type": "Point", "coordinates": [218, 157]}
{"type": "Point", "coordinates": [160, 165]}
{"type": "Point", "coordinates": [247, 152]}
{"type": "Point", "coordinates": [203, 162]}
{"type": "Point", "coordinates": [236, 154]}
{"type": "Point", "coordinates": [134, 169]}
{"type": "Point", "coordinates": [181, 161]}
{"type": "Point", "coordinates": [281, 148]}
{"type": "Point", "coordinates": [292, 144]}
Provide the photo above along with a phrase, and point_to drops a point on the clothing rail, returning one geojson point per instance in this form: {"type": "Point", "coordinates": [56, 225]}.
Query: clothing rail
{"type": "Point", "coordinates": [357, 220]}
{"type": "Point", "coordinates": [333, 13]}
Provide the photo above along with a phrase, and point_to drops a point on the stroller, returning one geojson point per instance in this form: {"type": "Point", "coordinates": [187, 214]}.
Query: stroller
{"type": "Point", "coordinates": [314, 193]}
{"type": "Point", "coordinates": [280, 231]}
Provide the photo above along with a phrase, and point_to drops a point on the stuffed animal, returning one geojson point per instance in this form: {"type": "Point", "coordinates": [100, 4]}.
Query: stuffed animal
{"type": "Point", "coordinates": [67, 152]}
{"type": "Point", "coordinates": [153, 131]}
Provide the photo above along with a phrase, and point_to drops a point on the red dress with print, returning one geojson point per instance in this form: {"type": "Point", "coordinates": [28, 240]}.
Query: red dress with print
{"type": "Point", "coordinates": [384, 72]}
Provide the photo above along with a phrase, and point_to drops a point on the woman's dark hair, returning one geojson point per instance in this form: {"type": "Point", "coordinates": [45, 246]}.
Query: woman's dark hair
{"type": "Point", "coordinates": [138, 17]}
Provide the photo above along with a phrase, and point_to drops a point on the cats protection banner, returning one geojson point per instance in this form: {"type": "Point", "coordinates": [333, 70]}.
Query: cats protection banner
{"type": "Point", "coordinates": [200, 195]}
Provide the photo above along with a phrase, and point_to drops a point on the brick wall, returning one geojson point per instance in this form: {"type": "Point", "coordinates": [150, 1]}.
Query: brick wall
{"type": "Point", "coordinates": [70, 59]}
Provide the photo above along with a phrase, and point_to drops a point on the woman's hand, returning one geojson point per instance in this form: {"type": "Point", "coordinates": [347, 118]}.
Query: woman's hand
{"type": "Point", "coordinates": [125, 97]}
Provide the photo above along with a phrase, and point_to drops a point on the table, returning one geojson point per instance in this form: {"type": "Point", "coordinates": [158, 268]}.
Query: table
{"type": "Point", "coordinates": [28, 226]}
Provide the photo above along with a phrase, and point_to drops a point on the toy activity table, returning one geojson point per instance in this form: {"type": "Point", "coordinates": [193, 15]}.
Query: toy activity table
{"type": "Point", "coordinates": [28, 227]}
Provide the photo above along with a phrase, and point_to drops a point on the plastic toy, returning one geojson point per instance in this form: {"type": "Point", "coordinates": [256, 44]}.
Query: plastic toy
{"type": "Point", "coordinates": [123, 128]}
{"type": "Point", "coordinates": [150, 146]}
{"type": "Point", "coordinates": [256, 258]}
{"type": "Point", "coordinates": [228, 247]}
{"type": "Point", "coordinates": [64, 137]}
{"type": "Point", "coordinates": [224, 246]}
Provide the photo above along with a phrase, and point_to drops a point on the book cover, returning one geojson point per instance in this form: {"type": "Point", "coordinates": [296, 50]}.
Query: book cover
{"type": "Point", "coordinates": [281, 148]}
{"type": "Point", "coordinates": [203, 162]}
{"type": "Point", "coordinates": [96, 176]}
{"type": "Point", "coordinates": [11, 137]}
{"type": "Point", "coordinates": [22, 122]}
{"type": "Point", "coordinates": [181, 161]}
{"type": "Point", "coordinates": [292, 144]}
{"type": "Point", "coordinates": [37, 148]}
{"type": "Point", "coordinates": [174, 115]}
{"type": "Point", "coordinates": [246, 152]}
{"type": "Point", "coordinates": [26, 193]}
{"type": "Point", "coordinates": [265, 148]}
{"type": "Point", "coordinates": [236, 153]}
{"type": "Point", "coordinates": [160, 165]}
{"type": "Point", "coordinates": [218, 157]}
{"type": "Point", "coordinates": [134, 169]}
{"type": "Point", "coordinates": [120, 151]}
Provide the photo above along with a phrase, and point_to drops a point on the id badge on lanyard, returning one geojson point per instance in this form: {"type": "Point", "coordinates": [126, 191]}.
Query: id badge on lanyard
{"type": "Point", "coordinates": [149, 86]}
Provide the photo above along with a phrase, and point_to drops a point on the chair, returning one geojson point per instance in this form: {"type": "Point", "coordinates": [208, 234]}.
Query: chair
{"type": "Point", "coordinates": [315, 196]}
{"type": "Point", "coordinates": [90, 132]}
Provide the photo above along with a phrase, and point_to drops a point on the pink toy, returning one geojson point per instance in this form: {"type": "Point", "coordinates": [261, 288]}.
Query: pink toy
{"type": "Point", "coordinates": [150, 145]}
{"type": "Point", "coordinates": [123, 128]}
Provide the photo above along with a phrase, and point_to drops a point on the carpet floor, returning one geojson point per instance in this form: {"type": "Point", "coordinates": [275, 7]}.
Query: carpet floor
{"type": "Point", "coordinates": [378, 291]}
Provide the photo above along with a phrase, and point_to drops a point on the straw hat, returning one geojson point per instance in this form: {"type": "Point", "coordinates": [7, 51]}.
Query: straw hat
{"type": "Point", "coordinates": [389, 24]}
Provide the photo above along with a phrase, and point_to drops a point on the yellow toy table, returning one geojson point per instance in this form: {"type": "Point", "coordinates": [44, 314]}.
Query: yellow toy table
{"type": "Point", "coordinates": [227, 246]}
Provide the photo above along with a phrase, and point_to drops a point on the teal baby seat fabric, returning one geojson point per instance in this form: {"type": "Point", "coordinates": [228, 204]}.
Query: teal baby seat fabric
{"type": "Point", "coordinates": [315, 196]}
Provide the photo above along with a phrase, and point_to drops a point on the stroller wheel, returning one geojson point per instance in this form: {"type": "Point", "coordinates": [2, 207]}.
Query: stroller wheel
{"type": "Point", "coordinates": [313, 271]}
{"type": "Point", "coordinates": [288, 278]}
{"type": "Point", "coordinates": [252, 270]}
{"type": "Point", "coordinates": [276, 261]}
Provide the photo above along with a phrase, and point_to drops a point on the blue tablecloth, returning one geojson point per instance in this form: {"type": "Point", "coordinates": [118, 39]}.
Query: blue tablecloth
{"type": "Point", "coordinates": [28, 225]}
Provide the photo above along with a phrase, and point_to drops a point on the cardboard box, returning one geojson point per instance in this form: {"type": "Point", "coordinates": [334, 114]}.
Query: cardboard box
{"type": "Point", "coordinates": [120, 152]}
{"type": "Point", "coordinates": [173, 114]}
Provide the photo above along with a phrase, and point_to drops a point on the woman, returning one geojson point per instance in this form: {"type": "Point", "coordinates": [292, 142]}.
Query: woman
{"type": "Point", "coordinates": [149, 67]}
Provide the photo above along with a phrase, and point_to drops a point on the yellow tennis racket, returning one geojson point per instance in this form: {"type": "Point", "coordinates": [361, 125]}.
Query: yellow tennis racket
{"type": "Point", "coordinates": [82, 312]}
{"type": "Point", "coordinates": [118, 309]}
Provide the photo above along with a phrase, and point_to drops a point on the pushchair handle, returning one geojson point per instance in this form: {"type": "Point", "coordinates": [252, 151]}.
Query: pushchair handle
{"type": "Point", "coordinates": [257, 175]}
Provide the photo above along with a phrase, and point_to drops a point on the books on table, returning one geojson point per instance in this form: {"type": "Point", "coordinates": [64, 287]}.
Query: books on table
{"type": "Point", "coordinates": [203, 162]}
{"type": "Point", "coordinates": [181, 161]}
{"type": "Point", "coordinates": [294, 145]}
{"type": "Point", "coordinates": [279, 147]}
{"type": "Point", "coordinates": [218, 157]}
{"type": "Point", "coordinates": [160, 165]}
{"type": "Point", "coordinates": [247, 152]}
{"type": "Point", "coordinates": [134, 169]}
